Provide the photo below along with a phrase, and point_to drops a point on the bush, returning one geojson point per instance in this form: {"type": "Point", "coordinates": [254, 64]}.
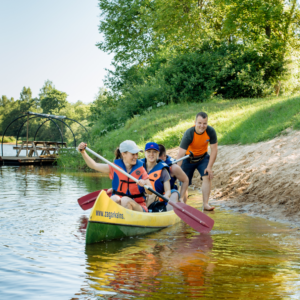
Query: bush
{"type": "Point", "coordinates": [70, 159]}
{"type": "Point", "coordinates": [9, 139]}
{"type": "Point", "coordinates": [229, 71]}
{"type": "Point", "coordinates": [226, 71]}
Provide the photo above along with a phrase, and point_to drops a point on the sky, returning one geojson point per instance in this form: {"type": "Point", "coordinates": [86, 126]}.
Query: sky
{"type": "Point", "coordinates": [55, 40]}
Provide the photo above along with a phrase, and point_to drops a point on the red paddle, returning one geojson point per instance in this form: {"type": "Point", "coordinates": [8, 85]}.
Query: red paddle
{"type": "Point", "coordinates": [192, 216]}
{"type": "Point", "coordinates": [87, 201]}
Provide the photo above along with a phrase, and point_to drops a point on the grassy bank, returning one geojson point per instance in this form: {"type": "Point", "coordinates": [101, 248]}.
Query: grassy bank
{"type": "Point", "coordinates": [241, 121]}
{"type": "Point", "coordinates": [8, 139]}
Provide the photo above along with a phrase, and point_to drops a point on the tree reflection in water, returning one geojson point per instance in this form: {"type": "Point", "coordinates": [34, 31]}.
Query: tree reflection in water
{"type": "Point", "coordinates": [147, 267]}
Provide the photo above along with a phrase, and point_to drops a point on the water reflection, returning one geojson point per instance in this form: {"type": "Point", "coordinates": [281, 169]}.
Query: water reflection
{"type": "Point", "coordinates": [43, 251]}
{"type": "Point", "coordinates": [231, 263]}
{"type": "Point", "coordinates": [149, 266]}
{"type": "Point", "coordinates": [83, 222]}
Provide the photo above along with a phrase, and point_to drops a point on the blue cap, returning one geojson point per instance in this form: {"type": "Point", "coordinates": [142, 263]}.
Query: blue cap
{"type": "Point", "coordinates": [151, 146]}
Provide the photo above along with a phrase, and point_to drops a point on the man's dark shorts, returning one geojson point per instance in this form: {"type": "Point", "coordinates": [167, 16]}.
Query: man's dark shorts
{"type": "Point", "coordinates": [190, 168]}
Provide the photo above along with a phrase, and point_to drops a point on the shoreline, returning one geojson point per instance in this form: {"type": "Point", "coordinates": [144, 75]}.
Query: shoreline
{"type": "Point", "coordinates": [260, 180]}
{"type": "Point", "coordinates": [274, 214]}
{"type": "Point", "coordinates": [265, 212]}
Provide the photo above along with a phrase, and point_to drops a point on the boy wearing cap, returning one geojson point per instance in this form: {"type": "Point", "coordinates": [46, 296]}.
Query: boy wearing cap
{"type": "Point", "coordinates": [126, 192]}
{"type": "Point", "coordinates": [159, 176]}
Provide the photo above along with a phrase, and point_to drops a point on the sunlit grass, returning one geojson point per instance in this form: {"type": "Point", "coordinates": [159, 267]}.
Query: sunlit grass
{"type": "Point", "coordinates": [8, 139]}
{"type": "Point", "coordinates": [241, 121]}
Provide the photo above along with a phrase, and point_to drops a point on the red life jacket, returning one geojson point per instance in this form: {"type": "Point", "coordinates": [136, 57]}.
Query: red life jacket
{"type": "Point", "coordinates": [124, 186]}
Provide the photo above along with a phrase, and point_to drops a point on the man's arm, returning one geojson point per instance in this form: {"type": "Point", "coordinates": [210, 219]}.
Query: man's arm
{"type": "Point", "coordinates": [181, 176]}
{"type": "Point", "coordinates": [212, 159]}
{"type": "Point", "coordinates": [180, 154]}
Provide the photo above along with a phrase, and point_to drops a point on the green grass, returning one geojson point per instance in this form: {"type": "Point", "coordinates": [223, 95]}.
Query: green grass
{"type": "Point", "coordinates": [240, 121]}
{"type": "Point", "coordinates": [8, 139]}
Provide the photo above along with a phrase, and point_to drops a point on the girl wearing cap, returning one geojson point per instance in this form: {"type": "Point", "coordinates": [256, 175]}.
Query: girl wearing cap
{"type": "Point", "coordinates": [126, 192]}
{"type": "Point", "coordinates": [158, 171]}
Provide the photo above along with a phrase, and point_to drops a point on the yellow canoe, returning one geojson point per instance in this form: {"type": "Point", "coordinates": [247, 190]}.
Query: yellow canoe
{"type": "Point", "coordinates": [109, 221]}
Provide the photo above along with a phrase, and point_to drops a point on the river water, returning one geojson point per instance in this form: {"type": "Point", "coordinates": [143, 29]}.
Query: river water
{"type": "Point", "coordinates": [44, 256]}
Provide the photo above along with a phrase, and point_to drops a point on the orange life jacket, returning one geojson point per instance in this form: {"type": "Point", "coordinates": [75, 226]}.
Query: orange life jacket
{"type": "Point", "coordinates": [154, 176]}
{"type": "Point", "coordinates": [124, 186]}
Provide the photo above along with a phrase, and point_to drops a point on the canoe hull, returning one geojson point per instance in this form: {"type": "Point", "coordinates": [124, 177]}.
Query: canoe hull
{"type": "Point", "coordinates": [109, 221]}
{"type": "Point", "coordinates": [99, 232]}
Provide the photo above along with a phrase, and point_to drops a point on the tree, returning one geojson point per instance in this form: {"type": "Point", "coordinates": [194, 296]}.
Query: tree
{"type": "Point", "coordinates": [51, 99]}
{"type": "Point", "coordinates": [4, 101]}
{"type": "Point", "coordinates": [26, 94]}
{"type": "Point", "coordinates": [137, 29]}
{"type": "Point", "coordinates": [127, 34]}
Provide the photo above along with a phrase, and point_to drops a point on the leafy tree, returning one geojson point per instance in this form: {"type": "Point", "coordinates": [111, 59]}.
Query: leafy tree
{"type": "Point", "coordinates": [104, 101]}
{"type": "Point", "coordinates": [5, 101]}
{"type": "Point", "coordinates": [51, 99]}
{"type": "Point", "coordinates": [135, 30]}
{"type": "Point", "coordinates": [125, 25]}
{"type": "Point", "coordinates": [26, 94]}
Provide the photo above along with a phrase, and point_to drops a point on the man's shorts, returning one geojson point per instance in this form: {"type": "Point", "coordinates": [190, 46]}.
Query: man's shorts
{"type": "Point", "coordinates": [190, 168]}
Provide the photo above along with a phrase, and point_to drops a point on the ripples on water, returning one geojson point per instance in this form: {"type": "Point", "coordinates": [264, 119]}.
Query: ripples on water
{"type": "Point", "coordinates": [43, 252]}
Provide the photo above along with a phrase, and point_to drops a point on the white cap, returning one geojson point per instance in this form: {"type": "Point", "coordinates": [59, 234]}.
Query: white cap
{"type": "Point", "coordinates": [129, 146]}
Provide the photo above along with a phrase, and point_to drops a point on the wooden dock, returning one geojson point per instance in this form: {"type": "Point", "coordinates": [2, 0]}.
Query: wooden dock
{"type": "Point", "coordinates": [23, 160]}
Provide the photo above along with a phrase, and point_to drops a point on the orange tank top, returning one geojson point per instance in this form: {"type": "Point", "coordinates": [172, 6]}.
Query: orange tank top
{"type": "Point", "coordinates": [199, 145]}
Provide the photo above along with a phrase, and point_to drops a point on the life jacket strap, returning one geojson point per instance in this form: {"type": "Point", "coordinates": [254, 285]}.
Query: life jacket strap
{"type": "Point", "coordinates": [131, 196]}
{"type": "Point", "coordinates": [126, 181]}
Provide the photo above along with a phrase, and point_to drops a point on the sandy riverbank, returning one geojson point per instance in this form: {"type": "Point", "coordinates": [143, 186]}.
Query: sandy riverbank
{"type": "Point", "coordinates": [260, 179]}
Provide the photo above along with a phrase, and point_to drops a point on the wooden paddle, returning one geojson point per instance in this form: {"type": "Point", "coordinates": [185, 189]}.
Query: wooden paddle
{"type": "Point", "coordinates": [190, 215]}
{"type": "Point", "coordinates": [87, 201]}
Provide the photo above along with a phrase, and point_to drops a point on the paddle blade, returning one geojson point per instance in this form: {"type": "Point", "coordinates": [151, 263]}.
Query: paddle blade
{"type": "Point", "coordinates": [193, 217]}
{"type": "Point", "coordinates": [87, 201]}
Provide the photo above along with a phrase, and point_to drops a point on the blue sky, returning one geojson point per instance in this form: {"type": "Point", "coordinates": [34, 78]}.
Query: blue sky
{"type": "Point", "coordinates": [55, 40]}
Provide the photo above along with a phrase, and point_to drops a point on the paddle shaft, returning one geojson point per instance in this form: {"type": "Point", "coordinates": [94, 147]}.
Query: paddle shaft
{"type": "Point", "coordinates": [182, 158]}
{"type": "Point", "coordinates": [114, 166]}
{"type": "Point", "coordinates": [145, 186]}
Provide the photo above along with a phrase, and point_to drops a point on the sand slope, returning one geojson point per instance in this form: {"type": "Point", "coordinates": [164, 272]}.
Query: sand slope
{"type": "Point", "coordinates": [262, 179]}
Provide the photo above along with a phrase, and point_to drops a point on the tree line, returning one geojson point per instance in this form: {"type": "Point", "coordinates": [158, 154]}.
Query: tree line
{"type": "Point", "coordinates": [180, 51]}
{"type": "Point", "coordinates": [194, 51]}
{"type": "Point", "coordinates": [49, 101]}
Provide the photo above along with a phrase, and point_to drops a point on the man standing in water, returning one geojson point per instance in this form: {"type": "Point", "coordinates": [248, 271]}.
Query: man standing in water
{"type": "Point", "coordinates": [196, 139]}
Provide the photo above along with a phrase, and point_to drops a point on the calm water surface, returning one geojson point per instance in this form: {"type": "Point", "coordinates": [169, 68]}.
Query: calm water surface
{"type": "Point", "coordinates": [44, 256]}
{"type": "Point", "coordinates": [8, 150]}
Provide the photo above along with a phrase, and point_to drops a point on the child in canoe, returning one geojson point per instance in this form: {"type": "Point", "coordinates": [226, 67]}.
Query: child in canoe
{"type": "Point", "coordinates": [126, 192]}
{"type": "Point", "coordinates": [159, 175]}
